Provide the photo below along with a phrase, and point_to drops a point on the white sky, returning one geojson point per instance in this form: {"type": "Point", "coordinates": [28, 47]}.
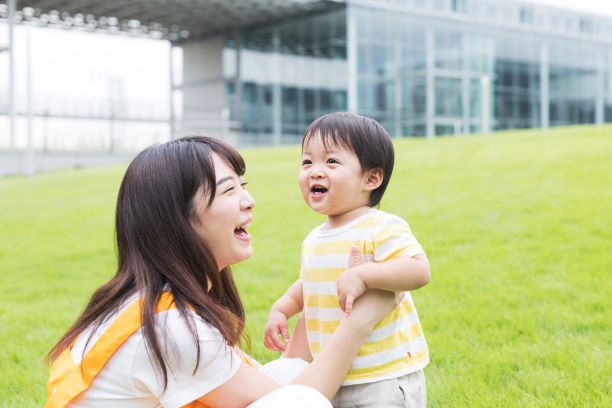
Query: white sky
{"type": "Point", "coordinates": [84, 74]}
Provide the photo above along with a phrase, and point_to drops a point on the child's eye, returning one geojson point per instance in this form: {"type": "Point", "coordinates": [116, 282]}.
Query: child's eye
{"type": "Point", "coordinates": [243, 185]}
{"type": "Point", "coordinates": [306, 162]}
{"type": "Point", "coordinates": [227, 190]}
{"type": "Point", "coordinates": [332, 161]}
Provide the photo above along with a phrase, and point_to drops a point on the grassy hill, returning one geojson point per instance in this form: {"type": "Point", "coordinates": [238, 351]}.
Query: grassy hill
{"type": "Point", "coordinates": [517, 225]}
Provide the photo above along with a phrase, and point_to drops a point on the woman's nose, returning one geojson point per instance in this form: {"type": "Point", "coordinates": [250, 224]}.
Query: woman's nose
{"type": "Point", "coordinates": [248, 202]}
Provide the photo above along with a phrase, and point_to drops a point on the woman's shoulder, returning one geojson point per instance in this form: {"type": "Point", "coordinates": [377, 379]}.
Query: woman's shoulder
{"type": "Point", "coordinates": [197, 356]}
{"type": "Point", "coordinates": [186, 329]}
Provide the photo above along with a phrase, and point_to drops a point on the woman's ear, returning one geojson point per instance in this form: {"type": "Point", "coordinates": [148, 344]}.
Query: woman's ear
{"type": "Point", "coordinates": [373, 178]}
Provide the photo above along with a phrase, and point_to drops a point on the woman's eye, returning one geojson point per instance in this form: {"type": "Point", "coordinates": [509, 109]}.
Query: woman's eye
{"type": "Point", "coordinates": [332, 161]}
{"type": "Point", "coordinates": [306, 162]}
{"type": "Point", "coordinates": [243, 185]}
{"type": "Point", "coordinates": [227, 190]}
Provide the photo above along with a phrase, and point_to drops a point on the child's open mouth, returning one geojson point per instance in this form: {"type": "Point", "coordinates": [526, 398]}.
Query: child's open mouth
{"type": "Point", "coordinates": [318, 190]}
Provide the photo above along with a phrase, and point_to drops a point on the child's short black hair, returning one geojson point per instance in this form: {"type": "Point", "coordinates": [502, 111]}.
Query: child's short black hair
{"type": "Point", "coordinates": [363, 136]}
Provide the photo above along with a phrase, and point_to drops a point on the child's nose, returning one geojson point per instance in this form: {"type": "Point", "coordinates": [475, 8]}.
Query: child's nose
{"type": "Point", "coordinates": [317, 172]}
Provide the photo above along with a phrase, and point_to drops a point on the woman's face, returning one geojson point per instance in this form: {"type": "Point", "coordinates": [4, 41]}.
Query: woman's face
{"type": "Point", "coordinates": [223, 225]}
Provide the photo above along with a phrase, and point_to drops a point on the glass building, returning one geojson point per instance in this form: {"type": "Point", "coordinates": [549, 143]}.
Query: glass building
{"type": "Point", "coordinates": [420, 67]}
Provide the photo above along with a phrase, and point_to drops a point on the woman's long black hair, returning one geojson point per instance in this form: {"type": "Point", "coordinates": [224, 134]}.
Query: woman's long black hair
{"type": "Point", "coordinates": [159, 250]}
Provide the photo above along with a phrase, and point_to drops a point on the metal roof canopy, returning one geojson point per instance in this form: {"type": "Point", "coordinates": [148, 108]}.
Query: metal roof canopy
{"type": "Point", "coordinates": [175, 20]}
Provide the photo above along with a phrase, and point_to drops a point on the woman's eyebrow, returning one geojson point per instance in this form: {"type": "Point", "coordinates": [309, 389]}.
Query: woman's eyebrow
{"type": "Point", "coordinates": [223, 180]}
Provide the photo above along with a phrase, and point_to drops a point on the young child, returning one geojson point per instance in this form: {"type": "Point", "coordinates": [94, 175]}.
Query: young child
{"type": "Point", "coordinates": [347, 161]}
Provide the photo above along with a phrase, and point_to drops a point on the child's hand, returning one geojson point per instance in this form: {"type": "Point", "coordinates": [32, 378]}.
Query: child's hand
{"type": "Point", "coordinates": [276, 327]}
{"type": "Point", "coordinates": [350, 284]}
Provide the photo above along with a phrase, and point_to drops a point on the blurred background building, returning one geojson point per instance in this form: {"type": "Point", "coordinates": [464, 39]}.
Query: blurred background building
{"type": "Point", "coordinates": [257, 72]}
{"type": "Point", "coordinates": [420, 67]}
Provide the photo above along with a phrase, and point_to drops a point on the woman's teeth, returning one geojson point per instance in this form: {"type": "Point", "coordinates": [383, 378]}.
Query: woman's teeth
{"type": "Point", "coordinates": [241, 233]}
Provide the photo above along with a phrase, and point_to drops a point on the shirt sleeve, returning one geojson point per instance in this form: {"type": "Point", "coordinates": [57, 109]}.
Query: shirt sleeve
{"type": "Point", "coordinates": [218, 362]}
{"type": "Point", "coordinates": [393, 238]}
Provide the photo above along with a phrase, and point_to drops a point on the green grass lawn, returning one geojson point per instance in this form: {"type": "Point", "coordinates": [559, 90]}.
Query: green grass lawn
{"type": "Point", "coordinates": [518, 228]}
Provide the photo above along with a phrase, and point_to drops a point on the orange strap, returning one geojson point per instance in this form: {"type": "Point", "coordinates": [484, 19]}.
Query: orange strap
{"type": "Point", "coordinates": [67, 380]}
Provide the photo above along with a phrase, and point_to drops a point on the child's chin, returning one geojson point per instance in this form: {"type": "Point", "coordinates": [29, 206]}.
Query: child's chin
{"type": "Point", "coordinates": [322, 211]}
{"type": "Point", "coordinates": [316, 207]}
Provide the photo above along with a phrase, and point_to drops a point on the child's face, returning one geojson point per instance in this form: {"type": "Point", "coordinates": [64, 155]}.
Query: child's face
{"type": "Point", "coordinates": [331, 179]}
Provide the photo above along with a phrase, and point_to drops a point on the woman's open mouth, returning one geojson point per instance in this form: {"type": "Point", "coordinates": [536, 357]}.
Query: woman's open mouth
{"type": "Point", "coordinates": [242, 233]}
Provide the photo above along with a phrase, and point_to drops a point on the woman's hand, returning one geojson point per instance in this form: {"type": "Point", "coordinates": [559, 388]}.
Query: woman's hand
{"type": "Point", "coordinates": [371, 307]}
{"type": "Point", "coordinates": [350, 284]}
{"type": "Point", "coordinates": [351, 288]}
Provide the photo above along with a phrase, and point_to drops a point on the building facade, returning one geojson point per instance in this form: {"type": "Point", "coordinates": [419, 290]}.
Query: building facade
{"type": "Point", "coordinates": [420, 67]}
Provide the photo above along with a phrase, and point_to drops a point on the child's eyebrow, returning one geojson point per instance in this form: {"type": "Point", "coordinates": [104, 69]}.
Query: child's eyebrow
{"type": "Point", "coordinates": [327, 151]}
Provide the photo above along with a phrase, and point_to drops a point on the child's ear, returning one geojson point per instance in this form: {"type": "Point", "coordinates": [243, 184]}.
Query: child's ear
{"type": "Point", "coordinates": [373, 178]}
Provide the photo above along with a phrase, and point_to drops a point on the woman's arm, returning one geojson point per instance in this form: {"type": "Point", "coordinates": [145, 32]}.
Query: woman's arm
{"type": "Point", "coordinates": [326, 372]}
{"type": "Point", "coordinates": [330, 367]}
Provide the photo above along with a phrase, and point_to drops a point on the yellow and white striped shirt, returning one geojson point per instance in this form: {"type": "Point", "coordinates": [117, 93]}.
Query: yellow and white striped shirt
{"type": "Point", "coordinates": [396, 346]}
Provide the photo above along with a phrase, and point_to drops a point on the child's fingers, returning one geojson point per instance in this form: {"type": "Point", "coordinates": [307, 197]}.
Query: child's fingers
{"type": "Point", "coordinates": [279, 346]}
{"type": "Point", "coordinates": [267, 343]}
{"type": "Point", "coordinates": [284, 333]}
{"type": "Point", "coordinates": [271, 345]}
{"type": "Point", "coordinates": [275, 339]}
{"type": "Point", "coordinates": [354, 257]}
{"type": "Point", "coordinates": [341, 300]}
{"type": "Point", "coordinates": [269, 338]}
{"type": "Point", "coordinates": [348, 305]}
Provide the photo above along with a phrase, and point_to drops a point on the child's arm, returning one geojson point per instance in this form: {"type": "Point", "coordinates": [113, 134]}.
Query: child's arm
{"type": "Point", "coordinates": [298, 346]}
{"type": "Point", "coordinates": [396, 275]}
{"type": "Point", "coordinates": [287, 306]}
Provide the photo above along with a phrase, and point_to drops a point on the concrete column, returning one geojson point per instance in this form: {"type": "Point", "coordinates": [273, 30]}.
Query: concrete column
{"type": "Point", "coordinates": [490, 55]}
{"type": "Point", "coordinates": [397, 85]}
{"type": "Point", "coordinates": [465, 85]}
{"type": "Point", "coordinates": [430, 83]}
{"type": "Point", "coordinates": [485, 104]}
{"type": "Point", "coordinates": [277, 125]}
{"type": "Point", "coordinates": [12, 4]}
{"type": "Point", "coordinates": [204, 87]}
{"type": "Point", "coordinates": [544, 87]}
{"type": "Point", "coordinates": [600, 90]}
{"type": "Point", "coordinates": [238, 79]}
{"type": "Point", "coordinates": [351, 59]}
{"type": "Point", "coordinates": [172, 118]}
{"type": "Point", "coordinates": [29, 156]}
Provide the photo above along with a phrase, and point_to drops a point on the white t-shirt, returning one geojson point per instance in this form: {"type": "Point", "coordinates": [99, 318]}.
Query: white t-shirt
{"type": "Point", "coordinates": [130, 378]}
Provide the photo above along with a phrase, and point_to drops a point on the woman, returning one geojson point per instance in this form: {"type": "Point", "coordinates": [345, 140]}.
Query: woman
{"type": "Point", "coordinates": [165, 330]}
